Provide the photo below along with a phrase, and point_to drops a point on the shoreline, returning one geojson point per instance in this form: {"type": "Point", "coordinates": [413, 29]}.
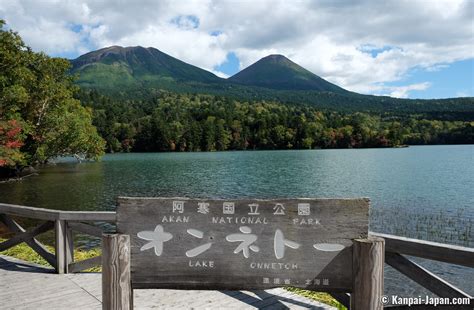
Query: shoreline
{"type": "Point", "coordinates": [17, 178]}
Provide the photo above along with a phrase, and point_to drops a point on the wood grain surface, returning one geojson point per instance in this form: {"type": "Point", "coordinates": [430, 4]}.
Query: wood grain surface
{"type": "Point", "coordinates": [194, 244]}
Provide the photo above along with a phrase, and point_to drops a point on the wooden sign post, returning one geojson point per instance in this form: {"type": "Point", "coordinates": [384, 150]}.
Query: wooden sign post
{"type": "Point", "coordinates": [180, 243]}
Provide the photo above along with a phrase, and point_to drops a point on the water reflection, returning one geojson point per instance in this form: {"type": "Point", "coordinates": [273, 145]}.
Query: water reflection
{"type": "Point", "coordinates": [417, 192]}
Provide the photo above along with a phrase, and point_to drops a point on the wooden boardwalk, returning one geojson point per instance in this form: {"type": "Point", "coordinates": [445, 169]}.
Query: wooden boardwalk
{"type": "Point", "coordinates": [29, 286]}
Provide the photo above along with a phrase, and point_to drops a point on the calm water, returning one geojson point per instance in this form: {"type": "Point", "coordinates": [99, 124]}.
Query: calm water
{"type": "Point", "coordinates": [425, 192]}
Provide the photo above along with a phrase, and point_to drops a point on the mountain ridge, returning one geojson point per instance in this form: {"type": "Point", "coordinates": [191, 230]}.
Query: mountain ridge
{"type": "Point", "coordinates": [136, 66]}
{"type": "Point", "coordinates": [278, 72]}
{"type": "Point", "coordinates": [136, 72]}
{"type": "Point", "coordinates": [273, 71]}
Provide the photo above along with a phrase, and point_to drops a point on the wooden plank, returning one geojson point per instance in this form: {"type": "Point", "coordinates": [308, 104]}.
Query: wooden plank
{"type": "Point", "coordinates": [60, 246]}
{"type": "Point", "coordinates": [33, 243]}
{"type": "Point", "coordinates": [25, 289]}
{"type": "Point", "coordinates": [85, 264]}
{"type": "Point", "coordinates": [423, 277]}
{"type": "Point", "coordinates": [305, 243]}
{"type": "Point", "coordinates": [52, 215]}
{"type": "Point", "coordinates": [368, 264]}
{"type": "Point", "coordinates": [343, 298]}
{"type": "Point", "coordinates": [25, 286]}
{"type": "Point", "coordinates": [88, 216]}
{"type": "Point", "coordinates": [117, 293]}
{"type": "Point", "coordinates": [86, 229]}
{"type": "Point", "coordinates": [30, 212]}
{"type": "Point", "coordinates": [69, 247]}
{"type": "Point", "coordinates": [426, 249]}
{"type": "Point", "coordinates": [24, 236]}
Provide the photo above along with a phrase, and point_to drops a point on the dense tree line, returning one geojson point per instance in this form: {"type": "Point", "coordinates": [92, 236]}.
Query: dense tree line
{"type": "Point", "coordinates": [190, 122]}
{"type": "Point", "coordinates": [350, 102]}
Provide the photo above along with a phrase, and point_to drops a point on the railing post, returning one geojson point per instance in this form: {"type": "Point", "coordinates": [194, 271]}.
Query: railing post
{"type": "Point", "coordinates": [69, 247]}
{"type": "Point", "coordinates": [117, 293]}
{"type": "Point", "coordinates": [368, 265]}
{"type": "Point", "coordinates": [60, 230]}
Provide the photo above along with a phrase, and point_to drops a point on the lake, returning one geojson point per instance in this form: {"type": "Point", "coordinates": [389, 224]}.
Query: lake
{"type": "Point", "coordinates": [424, 192]}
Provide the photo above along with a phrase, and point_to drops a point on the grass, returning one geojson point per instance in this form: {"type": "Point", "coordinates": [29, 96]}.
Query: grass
{"type": "Point", "coordinates": [318, 296]}
{"type": "Point", "coordinates": [24, 252]}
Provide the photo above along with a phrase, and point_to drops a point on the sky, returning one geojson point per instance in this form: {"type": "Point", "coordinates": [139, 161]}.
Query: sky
{"type": "Point", "coordinates": [405, 49]}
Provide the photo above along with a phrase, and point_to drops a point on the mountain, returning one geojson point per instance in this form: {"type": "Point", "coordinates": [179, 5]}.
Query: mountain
{"type": "Point", "coordinates": [278, 72]}
{"type": "Point", "coordinates": [140, 73]}
{"type": "Point", "coordinates": [116, 67]}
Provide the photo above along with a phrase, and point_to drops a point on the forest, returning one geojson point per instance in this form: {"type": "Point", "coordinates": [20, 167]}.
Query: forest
{"type": "Point", "coordinates": [192, 122]}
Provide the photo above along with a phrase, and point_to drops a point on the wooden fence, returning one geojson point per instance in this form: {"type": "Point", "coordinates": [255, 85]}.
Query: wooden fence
{"type": "Point", "coordinates": [396, 249]}
{"type": "Point", "coordinates": [63, 223]}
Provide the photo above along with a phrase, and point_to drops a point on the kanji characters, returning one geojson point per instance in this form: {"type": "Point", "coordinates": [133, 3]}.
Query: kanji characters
{"type": "Point", "coordinates": [228, 208]}
{"type": "Point", "coordinates": [203, 207]}
{"type": "Point", "coordinates": [279, 209]}
{"type": "Point", "coordinates": [178, 206]}
{"type": "Point", "coordinates": [253, 209]}
{"type": "Point", "coordinates": [304, 209]}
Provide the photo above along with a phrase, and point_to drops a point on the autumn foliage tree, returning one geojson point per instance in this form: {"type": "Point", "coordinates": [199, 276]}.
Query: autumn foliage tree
{"type": "Point", "coordinates": [39, 118]}
{"type": "Point", "coordinates": [11, 140]}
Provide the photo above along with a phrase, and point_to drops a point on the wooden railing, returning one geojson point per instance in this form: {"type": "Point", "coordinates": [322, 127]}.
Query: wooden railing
{"type": "Point", "coordinates": [397, 247]}
{"type": "Point", "coordinates": [65, 222]}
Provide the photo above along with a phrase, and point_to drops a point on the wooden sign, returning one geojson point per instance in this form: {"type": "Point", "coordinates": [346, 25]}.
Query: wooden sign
{"type": "Point", "coordinates": [242, 244]}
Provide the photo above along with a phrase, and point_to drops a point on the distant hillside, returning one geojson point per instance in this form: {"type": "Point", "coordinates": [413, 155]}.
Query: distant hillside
{"type": "Point", "coordinates": [115, 67]}
{"type": "Point", "coordinates": [141, 73]}
{"type": "Point", "coordinates": [278, 72]}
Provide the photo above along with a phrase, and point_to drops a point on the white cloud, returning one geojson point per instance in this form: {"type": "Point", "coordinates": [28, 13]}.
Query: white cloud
{"type": "Point", "coordinates": [360, 45]}
{"type": "Point", "coordinates": [220, 74]}
{"type": "Point", "coordinates": [462, 93]}
{"type": "Point", "coordinates": [190, 45]}
{"type": "Point", "coordinates": [403, 91]}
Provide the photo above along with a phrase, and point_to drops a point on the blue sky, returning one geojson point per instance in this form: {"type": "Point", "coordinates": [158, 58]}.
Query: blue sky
{"type": "Point", "coordinates": [410, 49]}
{"type": "Point", "coordinates": [447, 81]}
{"type": "Point", "coordinates": [451, 80]}
{"type": "Point", "coordinates": [230, 66]}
